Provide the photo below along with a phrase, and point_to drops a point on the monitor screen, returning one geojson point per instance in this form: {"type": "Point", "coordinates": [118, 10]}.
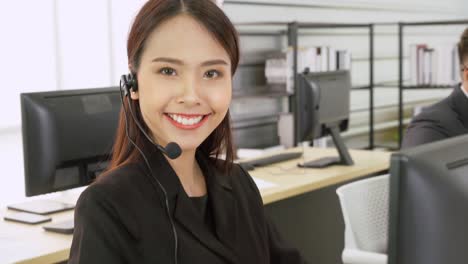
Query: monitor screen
{"type": "Point", "coordinates": [323, 100]}
{"type": "Point", "coordinates": [67, 136]}
{"type": "Point", "coordinates": [429, 203]}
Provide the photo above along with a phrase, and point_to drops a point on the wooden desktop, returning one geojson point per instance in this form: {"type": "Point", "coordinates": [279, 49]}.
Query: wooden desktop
{"type": "Point", "coordinates": [21, 243]}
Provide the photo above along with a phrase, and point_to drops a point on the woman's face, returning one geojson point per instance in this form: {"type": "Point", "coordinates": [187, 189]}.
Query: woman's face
{"type": "Point", "coordinates": [184, 83]}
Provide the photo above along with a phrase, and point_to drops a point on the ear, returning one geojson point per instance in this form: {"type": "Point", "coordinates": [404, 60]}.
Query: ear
{"type": "Point", "coordinates": [465, 75]}
{"type": "Point", "coordinates": [134, 95]}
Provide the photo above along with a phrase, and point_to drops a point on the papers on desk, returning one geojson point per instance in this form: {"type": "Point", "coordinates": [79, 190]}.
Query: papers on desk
{"type": "Point", "coordinates": [262, 184]}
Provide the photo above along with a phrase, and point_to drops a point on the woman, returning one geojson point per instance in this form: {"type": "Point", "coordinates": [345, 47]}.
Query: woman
{"type": "Point", "coordinates": [149, 208]}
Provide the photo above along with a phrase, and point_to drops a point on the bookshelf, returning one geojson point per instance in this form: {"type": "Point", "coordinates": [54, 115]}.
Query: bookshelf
{"type": "Point", "coordinates": [291, 30]}
{"type": "Point", "coordinates": [402, 86]}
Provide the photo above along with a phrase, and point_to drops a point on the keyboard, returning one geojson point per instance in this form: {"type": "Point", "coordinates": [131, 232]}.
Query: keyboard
{"type": "Point", "coordinates": [63, 227]}
{"type": "Point", "coordinates": [250, 165]}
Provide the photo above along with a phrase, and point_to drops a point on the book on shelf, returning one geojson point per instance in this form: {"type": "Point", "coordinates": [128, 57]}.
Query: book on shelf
{"type": "Point", "coordinates": [279, 67]}
{"type": "Point", "coordinates": [433, 65]}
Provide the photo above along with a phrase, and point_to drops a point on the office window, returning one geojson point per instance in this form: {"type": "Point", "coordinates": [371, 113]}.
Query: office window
{"type": "Point", "coordinates": [84, 44]}
{"type": "Point", "coordinates": [122, 15]}
{"type": "Point", "coordinates": [27, 53]}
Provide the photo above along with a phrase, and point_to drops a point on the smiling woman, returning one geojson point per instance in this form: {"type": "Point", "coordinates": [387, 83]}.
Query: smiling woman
{"type": "Point", "coordinates": [195, 208]}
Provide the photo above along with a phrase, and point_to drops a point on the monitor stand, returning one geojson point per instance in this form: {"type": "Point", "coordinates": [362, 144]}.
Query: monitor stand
{"type": "Point", "coordinates": [49, 203]}
{"type": "Point", "coordinates": [343, 159]}
{"type": "Point", "coordinates": [42, 207]}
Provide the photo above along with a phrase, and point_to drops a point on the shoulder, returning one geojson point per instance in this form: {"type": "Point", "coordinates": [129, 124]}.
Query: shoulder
{"type": "Point", "coordinates": [245, 184]}
{"type": "Point", "coordinates": [111, 196]}
{"type": "Point", "coordinates": [235, 176]}
{"type": "Point", "coordinates": [112, 184]}
{"type": "Point", "coordinates": [121, 174]}
{"type": "Point", "coordinates": [440, 114]}
{"type": "Point", "coordinates": [114, 188]}
{"type": "Point", "coordinates": [432, 124]}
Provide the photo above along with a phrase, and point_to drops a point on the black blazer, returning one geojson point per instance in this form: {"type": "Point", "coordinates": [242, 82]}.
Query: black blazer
{"type": "Point", "coordinates": [445, 119]}
{"type": "Point", "coordinates": [121, 219]}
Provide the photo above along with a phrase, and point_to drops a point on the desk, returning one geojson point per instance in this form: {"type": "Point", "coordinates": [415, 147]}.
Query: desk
{"type": "Point", "coordinates": [20, 243]}
{"type": "Point", "coordinates": [292, 180]}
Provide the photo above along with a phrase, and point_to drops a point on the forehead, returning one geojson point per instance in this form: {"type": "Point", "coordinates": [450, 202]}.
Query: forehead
{"type": "Point", "coordinates": [184, 38]}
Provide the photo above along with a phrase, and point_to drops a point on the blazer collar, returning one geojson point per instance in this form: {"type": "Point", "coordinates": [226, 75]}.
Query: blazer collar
{"type": "Point", "coordinates": [222, 200]}
{"type": "Point", "coordinates": [222, 203]}
{"type": "Point", "coordinates": [460, 105]}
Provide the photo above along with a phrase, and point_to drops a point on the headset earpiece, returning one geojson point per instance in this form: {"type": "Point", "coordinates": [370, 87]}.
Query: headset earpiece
{"type": "Point", "coordinates": [133, 82]}
{"type": "Point", "coordinates": [129, 83]}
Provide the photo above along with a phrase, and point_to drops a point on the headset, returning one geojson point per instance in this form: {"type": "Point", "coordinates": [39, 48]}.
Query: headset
{"type": "Point", "coordinates": [128, 84]}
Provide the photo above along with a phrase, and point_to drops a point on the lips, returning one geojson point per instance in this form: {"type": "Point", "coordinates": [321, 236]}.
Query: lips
{"type": "Point", "coordinates": [186, 121]}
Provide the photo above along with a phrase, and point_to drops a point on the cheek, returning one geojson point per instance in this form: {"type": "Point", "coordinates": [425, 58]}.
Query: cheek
{"type": "Point", "coordinates": [220, 99]}
{"type": "Point", "coordinates": [151, 105]}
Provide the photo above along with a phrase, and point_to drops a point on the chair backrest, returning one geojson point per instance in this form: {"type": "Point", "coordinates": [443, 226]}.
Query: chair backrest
{"type": "Point", "coordinates": [365, 206]}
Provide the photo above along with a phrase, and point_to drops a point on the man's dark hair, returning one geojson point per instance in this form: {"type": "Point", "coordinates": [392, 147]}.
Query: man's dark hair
{"type": "Point", "coordinates": [463, 48]}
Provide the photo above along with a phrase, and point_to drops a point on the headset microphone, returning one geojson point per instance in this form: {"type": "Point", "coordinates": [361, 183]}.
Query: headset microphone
{"type": "Point", "coordinates": [129, 82]}
{"type": "Point", "coordinates": [172, 150]}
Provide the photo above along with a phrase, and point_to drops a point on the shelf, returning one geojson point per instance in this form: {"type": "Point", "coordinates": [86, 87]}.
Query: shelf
{"type": "Point", "coordinates": [422, 87]}
{"type": "Point", "coordinates": [303, 24]}
{"type": "Point", "coordinates": [363, 87]}
{"type": "Point", "coordinates": [291, 30]}
{"type": "Point", "coordinates": [262, 34]}
{"type": "Point", "coordinates": [331, 25]}
{"type": "Point", "coordinates": [243, 121]}
{"type": "Point", "coordinates": [272, 91]}
{"type": "Point", "coordinates": [275, 91]}
{"type": "Point", "coordinates": [435, 23]}
{"type": "Point", "coordinates": [414, 87]}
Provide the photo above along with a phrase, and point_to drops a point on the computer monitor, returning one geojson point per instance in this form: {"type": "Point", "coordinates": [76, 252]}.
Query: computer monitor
{"type": "Point", "coordinates": [67, 137]}
{"type": "Point", "coordinates": [323, 109]}
{"type": "Point", "coordinates": [428, 221]}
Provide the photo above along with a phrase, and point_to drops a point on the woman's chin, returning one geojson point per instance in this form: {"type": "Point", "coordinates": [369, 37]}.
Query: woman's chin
{"type": "Point", "coordinates": [188, 146]}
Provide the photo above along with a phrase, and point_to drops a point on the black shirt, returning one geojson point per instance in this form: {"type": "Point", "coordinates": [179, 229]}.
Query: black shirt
{"type": "Point", "coordinates": [200, 203]}
{"type": "Point", "coordinates": [204, 211]}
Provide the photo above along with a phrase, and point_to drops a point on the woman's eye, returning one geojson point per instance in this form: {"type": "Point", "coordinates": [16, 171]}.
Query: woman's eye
{"type": "Point", "coordinates": [212, 74]}
{"type": "Point", "coordinates": [167, 71]}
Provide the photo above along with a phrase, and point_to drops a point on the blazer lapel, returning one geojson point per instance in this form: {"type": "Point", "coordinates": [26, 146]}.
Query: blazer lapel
{"type": "Point", "coordinates": [223, 202]}
{"type": "Point", "coordinates": [186, 215]}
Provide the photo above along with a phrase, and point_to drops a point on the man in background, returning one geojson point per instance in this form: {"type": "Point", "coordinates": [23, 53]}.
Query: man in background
{"type": "Point", "coordinates": [447, 118]}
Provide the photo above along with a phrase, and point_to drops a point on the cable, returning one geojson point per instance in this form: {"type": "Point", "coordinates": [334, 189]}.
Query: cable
{"type": "Point", "coordinates": [152, 177]}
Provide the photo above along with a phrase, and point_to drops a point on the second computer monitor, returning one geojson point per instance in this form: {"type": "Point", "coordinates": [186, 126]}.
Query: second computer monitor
{"type": "Point", "coordinates": [324, 101]}
{"type": "Point", "coordinates": [429, 203]}
{"type": "Point", "coordinates": [323, 109]}
{"type": "Point", "coordinates": [67, 136]}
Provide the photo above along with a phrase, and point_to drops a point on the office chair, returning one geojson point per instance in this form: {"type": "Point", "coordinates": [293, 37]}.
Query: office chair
{"type": "Point", "coordinates": [365, 205]}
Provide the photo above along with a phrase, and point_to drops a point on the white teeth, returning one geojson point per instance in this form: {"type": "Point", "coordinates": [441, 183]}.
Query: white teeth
{"type": "Point", "coordinates": [185, 121]}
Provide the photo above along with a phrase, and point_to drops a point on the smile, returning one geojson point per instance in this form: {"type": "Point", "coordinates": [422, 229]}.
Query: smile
{"type": "Point", "coordinates": [186, 121]}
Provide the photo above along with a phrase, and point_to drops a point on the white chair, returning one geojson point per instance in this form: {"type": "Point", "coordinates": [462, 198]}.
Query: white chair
{"type": "Point", "coordinates": [365, 205]}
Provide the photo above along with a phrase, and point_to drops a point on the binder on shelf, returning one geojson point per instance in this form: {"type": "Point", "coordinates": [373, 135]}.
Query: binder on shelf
{"type": "Point", "coordinates": [279, 67]}
{"type": "Point", "coordinates": [433, 66]}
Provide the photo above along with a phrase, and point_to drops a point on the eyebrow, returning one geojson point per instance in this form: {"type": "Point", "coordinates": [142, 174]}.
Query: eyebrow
{"type": "Point", "coordinates": [179, 62]}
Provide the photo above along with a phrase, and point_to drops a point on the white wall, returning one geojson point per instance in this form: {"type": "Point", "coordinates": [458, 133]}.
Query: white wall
{"type": "Point", "coordinates": [66, 44]}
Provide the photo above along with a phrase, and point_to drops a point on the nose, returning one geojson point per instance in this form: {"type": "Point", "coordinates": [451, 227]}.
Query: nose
{"type": "Point", "coordinates": [189, 93]}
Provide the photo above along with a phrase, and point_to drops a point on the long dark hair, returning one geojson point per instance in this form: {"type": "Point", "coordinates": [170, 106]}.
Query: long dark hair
{"type": "Point", "coordinates": [151, 15]}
